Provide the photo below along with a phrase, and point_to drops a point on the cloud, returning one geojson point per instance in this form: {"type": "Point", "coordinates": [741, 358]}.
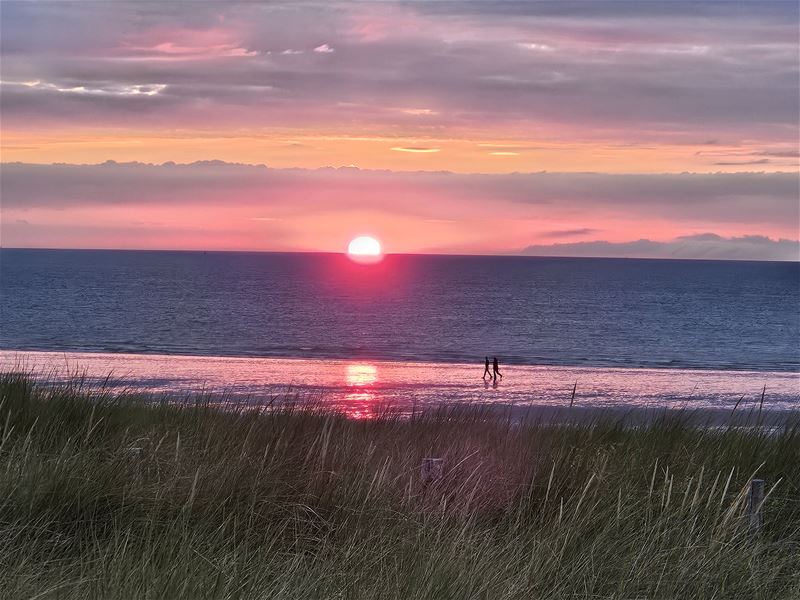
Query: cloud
{"type": "Point", "coordinates": [69, 205]}
{"type": "Point", "coordinates": [760, 161]}
{"type": "Point", "coordinates": [415, 149]}
{"type": "Point", "coordinates": [768, 198]}
{"type": "Point", "coordinates": [780, 153]}
{"type": "Point", "coordinates": [773, 10]}
{"type": "Point", "coordinates": [668, 71]}
{"type": "Point", "coordinates": [418, 111]}
{"type": "Point", "coordinates": [169, 51]}
{"type": "Point", "coordinates": [537, 47]}
{"type": "Point", "coordinates": [708, 246]}
{"type": "Point", "coordinates": [118, 90]}
{"type": "Point", "coordinates": [559, 233]}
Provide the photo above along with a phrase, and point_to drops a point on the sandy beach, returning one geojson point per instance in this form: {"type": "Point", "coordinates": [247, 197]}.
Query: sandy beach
{"type": "Point", "coordinates": [361, 387]}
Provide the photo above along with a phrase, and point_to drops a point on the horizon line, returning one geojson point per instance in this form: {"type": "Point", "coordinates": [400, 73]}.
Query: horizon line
{"type": "Point", "coordinates": [224, 163]}
{"type": "Point", "coordinates": [432, 254]}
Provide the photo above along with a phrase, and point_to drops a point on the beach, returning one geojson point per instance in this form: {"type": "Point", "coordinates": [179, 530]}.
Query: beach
{"type": "Point", "coordinates": [361, 388]}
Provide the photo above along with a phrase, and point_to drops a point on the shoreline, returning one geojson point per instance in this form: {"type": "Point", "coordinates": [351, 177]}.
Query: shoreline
{"type": "Point", "coordinates": [609, 364]}
{"type": "Point", "coordinates": [359, 387]}
{"type": "Point", "coordinates": [423, 359]}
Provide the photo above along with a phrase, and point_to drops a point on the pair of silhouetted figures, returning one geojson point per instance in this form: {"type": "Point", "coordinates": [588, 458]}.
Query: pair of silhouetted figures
{"type": "Point", "coordinates": [495, 369]}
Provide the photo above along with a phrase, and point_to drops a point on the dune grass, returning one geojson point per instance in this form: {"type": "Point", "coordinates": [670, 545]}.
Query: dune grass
{"type": "Point", "coordinates": [105, 496]}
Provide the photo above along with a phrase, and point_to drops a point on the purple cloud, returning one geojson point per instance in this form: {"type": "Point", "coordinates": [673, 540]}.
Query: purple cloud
{"type": "Point", "coordinates": [457, 204]}
{"type": "Point", "coordinates": [716, 69]}
{"type": "Point", "coordinates": [708, 246]}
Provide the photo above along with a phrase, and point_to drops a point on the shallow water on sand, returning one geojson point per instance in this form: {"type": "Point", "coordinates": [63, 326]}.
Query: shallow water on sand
{"type": "Point", "coordinates": [361, 387]}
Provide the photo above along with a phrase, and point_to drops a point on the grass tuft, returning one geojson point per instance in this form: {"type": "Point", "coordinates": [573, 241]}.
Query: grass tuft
{"type": "Point", "coordinates": [106, 495]}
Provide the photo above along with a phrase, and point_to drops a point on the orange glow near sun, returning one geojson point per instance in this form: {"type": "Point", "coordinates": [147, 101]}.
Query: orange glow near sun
{"type": "Point", "coordinates": [365, 249]}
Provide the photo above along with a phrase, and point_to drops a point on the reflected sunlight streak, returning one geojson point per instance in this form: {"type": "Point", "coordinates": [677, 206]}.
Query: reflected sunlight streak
{"type": "Point", "coordinates": [360, 404]}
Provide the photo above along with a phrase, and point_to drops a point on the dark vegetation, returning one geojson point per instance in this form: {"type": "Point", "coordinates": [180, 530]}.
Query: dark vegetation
{"type": "Point", "coordinates": [104, 495]}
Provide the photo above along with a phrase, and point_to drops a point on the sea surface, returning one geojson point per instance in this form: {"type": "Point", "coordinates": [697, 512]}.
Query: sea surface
{"type": "Point", "coordinates": [627, 330]}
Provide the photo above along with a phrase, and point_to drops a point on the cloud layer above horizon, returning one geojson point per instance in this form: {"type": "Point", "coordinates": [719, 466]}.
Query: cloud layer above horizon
{"type": "Point", "coordinates": [653, 120]}
{"type": "Point", "coordinates": [218, 205]}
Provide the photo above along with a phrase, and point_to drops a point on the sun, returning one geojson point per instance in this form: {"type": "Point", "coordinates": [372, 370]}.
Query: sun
{"type": "Point", "coordinates": [365, 249]}
{"type": "Point", "coordinates": [364, 245]}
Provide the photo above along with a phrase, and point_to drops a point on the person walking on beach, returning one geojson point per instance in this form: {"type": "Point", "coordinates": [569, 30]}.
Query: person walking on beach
{"type": "Point", "coordinates": [495, 369]}
{"type": "Point", "coordinates": [486, 370]}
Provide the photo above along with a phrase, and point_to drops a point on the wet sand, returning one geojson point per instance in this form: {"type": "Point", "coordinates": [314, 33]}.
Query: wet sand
{"type": "Point", "coordinates": [363, 387]}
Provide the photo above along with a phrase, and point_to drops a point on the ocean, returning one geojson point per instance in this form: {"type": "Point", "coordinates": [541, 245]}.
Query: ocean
{"type": "Point", "coordinates": [577, 319]}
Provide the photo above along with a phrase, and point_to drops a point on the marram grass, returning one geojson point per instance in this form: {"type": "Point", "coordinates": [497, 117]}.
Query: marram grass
{"type": "Point", "coordinates": [103, 495]}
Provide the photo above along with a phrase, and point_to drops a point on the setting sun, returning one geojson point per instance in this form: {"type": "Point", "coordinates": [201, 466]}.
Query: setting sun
{"type": "Point", "coordinates": [364, 249]}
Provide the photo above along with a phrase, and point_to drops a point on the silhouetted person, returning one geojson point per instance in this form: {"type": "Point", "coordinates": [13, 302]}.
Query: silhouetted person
{"type": "Point", "coordinates": [496, 369]}
{"type": "Point", "coordinates": [486, 370]}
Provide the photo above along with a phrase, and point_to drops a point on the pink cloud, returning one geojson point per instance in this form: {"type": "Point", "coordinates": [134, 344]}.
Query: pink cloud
{"type": "Point", "coordinates": [227, 206]}
{"type": "Point", "coordinates": [176, 44]}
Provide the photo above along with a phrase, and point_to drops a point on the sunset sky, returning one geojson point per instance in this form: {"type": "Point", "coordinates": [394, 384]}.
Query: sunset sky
{"type": "Point", "coordinates": [569, 128]}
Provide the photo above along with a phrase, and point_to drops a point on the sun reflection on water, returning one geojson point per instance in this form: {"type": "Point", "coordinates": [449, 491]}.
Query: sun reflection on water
{"type": "Point", "coordinates": [359, 374]}
{"type": "Point", "coordinates": [360, 404]}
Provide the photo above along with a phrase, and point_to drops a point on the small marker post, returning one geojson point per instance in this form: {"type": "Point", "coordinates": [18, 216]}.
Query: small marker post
{"type": "Point", "coordinates": [432, 470]}
{"type": "Point", "coordinates": [755, 501]}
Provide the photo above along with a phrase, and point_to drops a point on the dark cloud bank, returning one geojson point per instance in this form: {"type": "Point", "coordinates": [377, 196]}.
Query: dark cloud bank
{"type": "Point", "coordinates": [709, 246]}
{"type": "Point", "coordinates": [764, 198]}
{"type": "Point", "coordinates": [752, 202]}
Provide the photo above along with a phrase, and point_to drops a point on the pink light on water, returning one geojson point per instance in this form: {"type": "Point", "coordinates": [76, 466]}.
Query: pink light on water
{"type": "Point", "coordinates": [360, 402]}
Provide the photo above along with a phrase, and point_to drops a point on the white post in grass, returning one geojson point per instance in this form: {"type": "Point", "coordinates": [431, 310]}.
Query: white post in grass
{"type": "Point", "coordinates": [432, 470]}
{"type": "Point", "coordinates": [755, 500]}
